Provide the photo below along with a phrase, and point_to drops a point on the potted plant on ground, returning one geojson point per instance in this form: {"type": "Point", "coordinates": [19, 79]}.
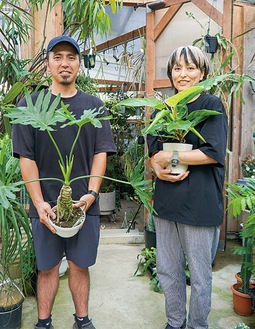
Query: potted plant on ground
{"type": "Point", "coordinates": [39, 116]}
{"type": "Point", "coordinates": [150, 233]}
{"type": "Point", "coordinates": [15, 238]}
{"type": "Point", "coordinates": [147, 262]}
{"type": "Point", "coordinates": [243, 198]}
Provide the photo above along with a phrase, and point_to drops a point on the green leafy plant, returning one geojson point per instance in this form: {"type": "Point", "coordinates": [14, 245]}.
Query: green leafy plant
{"type": "Point", "coordinates": [172, 119]}
{"type": "Point", "coordinates": [147, 262]}
{"type": "Point", "coordinates": [15, 231]}
{"type": "Point", "coordinates": [44, 117]}
{"type": "Point", "coordinates": [242, 198]}
{"type": "Point", "coordinates": [88, 17]}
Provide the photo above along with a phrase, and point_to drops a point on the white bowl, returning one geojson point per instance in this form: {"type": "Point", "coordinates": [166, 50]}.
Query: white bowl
{"type": "Point", "coordinates": [68, 232]}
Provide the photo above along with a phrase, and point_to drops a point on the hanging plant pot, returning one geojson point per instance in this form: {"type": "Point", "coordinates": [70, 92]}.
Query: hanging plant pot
{"type": "Point", "coordinates": [211, 44]}
{"type": "Point", "coordinates": [89, 61]}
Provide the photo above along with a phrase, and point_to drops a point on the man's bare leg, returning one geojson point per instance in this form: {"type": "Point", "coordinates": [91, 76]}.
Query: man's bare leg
{"type": "Point", "coordinates": [47, 287]}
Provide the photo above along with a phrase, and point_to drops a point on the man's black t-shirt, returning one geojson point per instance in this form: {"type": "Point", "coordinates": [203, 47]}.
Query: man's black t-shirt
{"type": "Point", "coordinates": [198, 199]}
{"type": "Point", "coordinates": [36, 145]}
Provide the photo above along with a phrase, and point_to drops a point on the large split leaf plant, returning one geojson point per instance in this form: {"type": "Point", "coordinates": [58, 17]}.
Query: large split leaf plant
{"type": "Point", "coordinates": [44, 116]}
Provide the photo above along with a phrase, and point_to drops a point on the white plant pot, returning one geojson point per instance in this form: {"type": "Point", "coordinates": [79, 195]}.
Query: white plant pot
{"type": "Point", "coordinates": [68, 232]}
{"type": "Point", "coordinates": [63, 266]}
{"type": "Point", "coordinates": [180, 168]}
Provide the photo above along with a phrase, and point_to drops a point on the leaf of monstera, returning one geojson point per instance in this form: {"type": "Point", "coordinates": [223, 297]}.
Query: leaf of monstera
{"type": "Point", "coordinates": [88, 116]}
{"type": "Point", "coordinates": [39, 115]}
{"type": "Point", "coordinates": [8, 192]}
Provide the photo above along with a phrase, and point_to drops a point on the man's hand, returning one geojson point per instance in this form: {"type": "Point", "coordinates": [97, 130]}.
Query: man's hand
{"type": "Point", "coordinates": [85, 202]}
{"type": "Point", "coordinates": [44, 211]}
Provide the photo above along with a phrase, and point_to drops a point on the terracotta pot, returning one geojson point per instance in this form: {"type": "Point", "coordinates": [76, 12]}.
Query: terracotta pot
{"type": "Point", "coordinates": [242, 302]}
{"type": "Point", "coordinates": [239, 280]}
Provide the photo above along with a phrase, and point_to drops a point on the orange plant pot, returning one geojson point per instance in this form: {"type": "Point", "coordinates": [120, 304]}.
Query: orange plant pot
{"type": "Point", "coordinates": [242, 302]}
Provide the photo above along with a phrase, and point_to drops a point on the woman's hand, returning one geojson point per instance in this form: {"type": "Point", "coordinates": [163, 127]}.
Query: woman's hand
{"type": "Point", "coordinates": [165, 174]}
{"type": "Point", "coordinates": [162, 158]}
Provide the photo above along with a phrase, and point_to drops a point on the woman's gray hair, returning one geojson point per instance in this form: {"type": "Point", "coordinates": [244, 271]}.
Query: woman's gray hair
{"type": "Point", "coordinates": [191, 54]}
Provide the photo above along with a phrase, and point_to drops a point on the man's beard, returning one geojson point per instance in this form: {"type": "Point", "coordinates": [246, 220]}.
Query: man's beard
{"type": "Point", "coordinates": [65, 81]}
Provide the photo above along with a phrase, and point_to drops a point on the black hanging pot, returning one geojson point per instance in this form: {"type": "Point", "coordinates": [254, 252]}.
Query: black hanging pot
{"type": "Point", "coordinates": [211, 44]}
{"type": "Point", "coordinates": [89, 61]}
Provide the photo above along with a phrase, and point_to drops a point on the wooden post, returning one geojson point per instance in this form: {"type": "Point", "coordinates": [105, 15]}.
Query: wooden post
{"type": "Point", "coordinates": [47, 24]}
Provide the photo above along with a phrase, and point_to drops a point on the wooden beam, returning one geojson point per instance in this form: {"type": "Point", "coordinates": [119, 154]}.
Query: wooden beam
{"type": "Point", "coordinates": [175, 2]}
{"type": "Point", "coordinates": [166, 19]}
{"type": "Point", "coordinates": [161, 83]}
{"type": "Point", "coordinates": [211, 11]}
{"type": "Point", "coordinates": [115, 85]}
{"type": "Point", "coordinates": [120, 40]}
{"type": "Point", "coordinates": [227, 24]}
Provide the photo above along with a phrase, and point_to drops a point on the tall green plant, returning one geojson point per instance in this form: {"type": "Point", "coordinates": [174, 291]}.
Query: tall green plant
{"type": "Point", "coordinates": [44, 116]}
{"type": "Point", "coordinates": [242, 198]}
{"type": "Point", "coordinates": [15, 231]}
{"type": "Point", "coordinates": [86, 18]}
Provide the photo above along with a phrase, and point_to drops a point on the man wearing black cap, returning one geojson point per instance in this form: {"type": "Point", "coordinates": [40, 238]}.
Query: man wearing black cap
{"type": "Point", "coordinates": [38, 158]}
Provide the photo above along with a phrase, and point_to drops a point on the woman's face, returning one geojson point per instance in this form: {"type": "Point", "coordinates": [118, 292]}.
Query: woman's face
{"type": "Point", "coordinates": [185, 75]}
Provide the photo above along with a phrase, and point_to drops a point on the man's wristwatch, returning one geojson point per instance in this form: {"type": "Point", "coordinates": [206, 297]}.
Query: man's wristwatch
{"type": "Point", "coordinates": [95, 194]}
{"type": "Point", "coordinates": [175, 159]}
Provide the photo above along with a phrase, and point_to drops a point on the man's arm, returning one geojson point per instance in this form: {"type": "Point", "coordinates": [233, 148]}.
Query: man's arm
{"type": "Point", "coordinates": [29, 171]}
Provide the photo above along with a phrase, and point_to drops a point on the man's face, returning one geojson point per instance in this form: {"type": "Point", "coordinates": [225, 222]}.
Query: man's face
{"type": "Point", "coordinates": [63, 64]}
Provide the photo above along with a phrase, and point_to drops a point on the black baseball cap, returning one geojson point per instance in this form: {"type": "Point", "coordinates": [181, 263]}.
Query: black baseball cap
{"type": "Point", "coordinates": [62, 38]}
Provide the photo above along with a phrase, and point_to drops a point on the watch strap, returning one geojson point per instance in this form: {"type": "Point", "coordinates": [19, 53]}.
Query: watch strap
{"type": "Point", "coordinates": [94, 193]}
{"type": "Point", "coordinates": [175, 159]}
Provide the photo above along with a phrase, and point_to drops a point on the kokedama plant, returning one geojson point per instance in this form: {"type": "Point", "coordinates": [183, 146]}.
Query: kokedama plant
{"type": "Point", "coordinates": [44, 116]}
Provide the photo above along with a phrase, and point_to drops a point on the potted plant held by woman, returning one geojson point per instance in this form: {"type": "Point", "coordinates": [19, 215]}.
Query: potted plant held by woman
{"type": "Point", "coordinates": [172, 120]}
{"type": "Point", "coordinates": [44, 117]}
